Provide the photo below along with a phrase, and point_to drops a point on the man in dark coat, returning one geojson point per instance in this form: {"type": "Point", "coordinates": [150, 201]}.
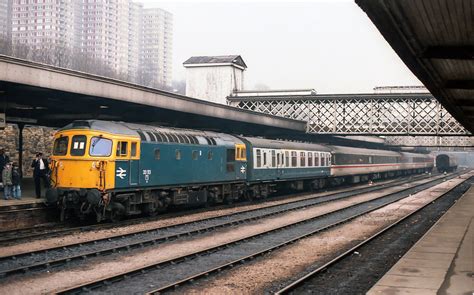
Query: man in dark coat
{"type": "Point", "coordinates": [40, 171]}
{"type": "Point", "coordinates": [4, 159]}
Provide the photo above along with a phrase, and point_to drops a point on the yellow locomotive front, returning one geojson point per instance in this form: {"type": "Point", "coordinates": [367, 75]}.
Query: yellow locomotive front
{"type": "Point", "coordinates": [83, 169]}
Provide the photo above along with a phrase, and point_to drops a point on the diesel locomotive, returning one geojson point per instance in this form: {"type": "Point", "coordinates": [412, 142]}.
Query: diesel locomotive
{"type": "Point", "coordinates": [446, 163]}
{"type": "Point", "coordinates": [115, 169]}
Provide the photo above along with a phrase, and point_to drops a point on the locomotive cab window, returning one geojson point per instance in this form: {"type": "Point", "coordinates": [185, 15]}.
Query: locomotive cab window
{"type": "Point", "coordinates": [240, 152]}
{"type": "Point", "coordinates": [78, 145]}
{"type": "Point", "coordinates": [100, 147]}
{"type": "Point", "coordinates": [122, 149]}
{"type": "Point", "coordinates": [60, 146]}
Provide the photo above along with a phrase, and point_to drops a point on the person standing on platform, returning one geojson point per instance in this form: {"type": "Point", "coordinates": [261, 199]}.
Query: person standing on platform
{"type": "Point", "coordinates": [16, 181]}
{"type": "Point", "coordinates": [7, 181]}
{"type": "Point", "coordinates": [40, 171]}
{"type": "Point", "coordinates": [4, 159]}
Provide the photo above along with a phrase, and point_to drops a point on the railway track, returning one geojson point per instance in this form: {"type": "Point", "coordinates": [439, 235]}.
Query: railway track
{"type": "Point", "coordinates": [177, 271]}
{"type": "Point", "coordinates": [300, 283]}
{"type": "Point", "coordinates": [57, 229]}
{"type": "Point", "coordinates": [61, 255]}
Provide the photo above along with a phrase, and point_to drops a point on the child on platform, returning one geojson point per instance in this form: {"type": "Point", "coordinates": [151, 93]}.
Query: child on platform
{"type": "Point", "coordinates": [7, 181]}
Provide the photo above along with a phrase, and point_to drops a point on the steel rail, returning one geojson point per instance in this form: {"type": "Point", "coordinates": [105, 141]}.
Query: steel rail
{"type": "Point", "coordinates": [9, 236]}
{"type": "Point", "coordinates": [168, 238]}
{"type": "Point", "coordinates": [299, 282]}
{"type": "Point", "coordinates": [141, 270]}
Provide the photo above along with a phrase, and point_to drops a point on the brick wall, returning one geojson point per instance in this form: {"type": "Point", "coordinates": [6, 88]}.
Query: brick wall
{"type": "Point", "coordinates": [35, 139]}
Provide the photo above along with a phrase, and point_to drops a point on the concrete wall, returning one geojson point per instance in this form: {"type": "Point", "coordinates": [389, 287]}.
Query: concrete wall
{"type": "Point", "coordinates": [35, 139]}
{"type": "Point", "coordinates": [213, 83]}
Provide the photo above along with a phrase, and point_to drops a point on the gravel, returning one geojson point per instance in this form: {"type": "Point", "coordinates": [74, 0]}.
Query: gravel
{"type": "Point", "coordinates": [357, 273]}
{"type": "Point", "coordinates": [167, 275]}
{"type": "Point", "coordinates": [85, 248]}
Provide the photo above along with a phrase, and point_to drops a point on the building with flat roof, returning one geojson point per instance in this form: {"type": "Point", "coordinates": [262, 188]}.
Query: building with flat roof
{"type": "Point", "coordinates": [156, 47]}
{"type": "Point", "coordinates": [42, 23]}
{"type": "Point", "coordinates": [5, 20]}
{"type": "Point", "coordinates": [214, 78]}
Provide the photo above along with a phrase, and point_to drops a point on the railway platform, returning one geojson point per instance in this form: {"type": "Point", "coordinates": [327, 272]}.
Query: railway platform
{"type": "Point", "coordinates": [441, 262]}
{"type": "Point", "coordinates": [27, 212]}
{"type": "Point", "coordinates": [27, 195]}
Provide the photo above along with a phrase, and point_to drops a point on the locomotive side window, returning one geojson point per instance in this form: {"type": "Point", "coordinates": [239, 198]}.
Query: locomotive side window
{"type": "Point", "coordinates": [100, 147]}
{"type": "Point", "coordinates": [60, 146]}
{"type": "Point", "coordinates": [78, 145]}
{"type": "Point", "coordinates": [133, 149]}
{"type": "Point", "coordinates": [157, 154]}
{"type": "Point", "coordinates": [230, 159]}
{"type": "Point", "coordinates": [195, 155]}
{"type": "Point", "coordinates": [178, 154]}
{"type": "Point", "coordinates": [209, 155]}
{"type": "Point", "coordinates": [259, 158]}
{"type": "Point", "coordinates": [122, 149]}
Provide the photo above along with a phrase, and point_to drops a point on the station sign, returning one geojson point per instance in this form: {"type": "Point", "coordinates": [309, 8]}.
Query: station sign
{"type": "Point", "coordinates": [3, 121]}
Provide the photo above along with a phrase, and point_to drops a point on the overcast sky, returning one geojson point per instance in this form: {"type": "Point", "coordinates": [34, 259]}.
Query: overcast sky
{"type": "Point", "coordinates": [330, 46]}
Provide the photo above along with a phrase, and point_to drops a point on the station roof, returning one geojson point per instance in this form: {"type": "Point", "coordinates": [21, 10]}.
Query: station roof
{"type": "Point", "coordinates": [435, 40]}
{"type": "Point", "coordinates": [34, 93]}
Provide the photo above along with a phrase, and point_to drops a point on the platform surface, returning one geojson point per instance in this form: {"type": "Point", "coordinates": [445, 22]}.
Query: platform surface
{"type": "Point", "coordinates": [441, 262]}
{"type": "Point", "coordinates": [27, 192]}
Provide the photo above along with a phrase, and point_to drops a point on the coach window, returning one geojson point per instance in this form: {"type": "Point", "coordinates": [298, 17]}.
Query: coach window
{"type": "Point", "coordinates": [264, 158]}
{"type": "Point", "coordinates": [317, 162]}
{"type": "Point", "coordinates": [323, 159]}
{"type": "Point", "coordinates": [259, 158]}
{"type": "Point", "coordinates": [287, 158]}
{"type": "Point", "coordinates": [294, 159]}
{"type": "Point", "coordinates": [302, 159]}
{"type": "Point", "coordinates": [78, 145]}
{"type": "Point", "coordinates": [329, 159]}
{"type": "Point", "coordinates": [273, 158]}
{"type": "Point", "coordinates": [310, 159]}
{"type": "Point", "coordinates": [121, 149]}
{"type": "Point", "coordinates": [178, 154]}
